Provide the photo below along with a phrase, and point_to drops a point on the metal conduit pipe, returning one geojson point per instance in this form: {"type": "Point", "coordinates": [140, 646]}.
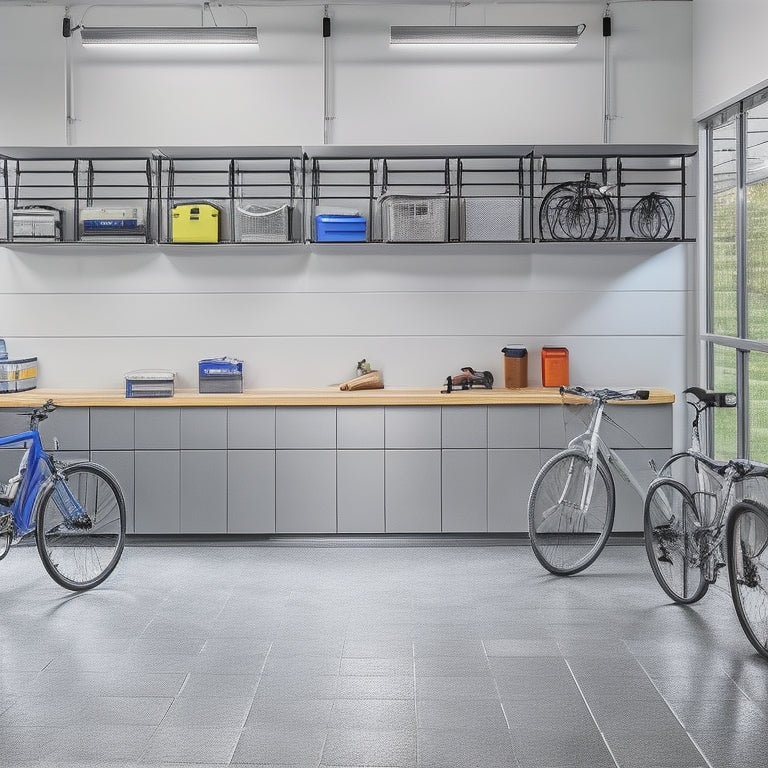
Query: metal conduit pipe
{"type": "Point", "coordinates": [607, 116]}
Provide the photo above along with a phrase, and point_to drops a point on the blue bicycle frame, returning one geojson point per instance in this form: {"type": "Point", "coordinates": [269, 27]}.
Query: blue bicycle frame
{"type": "Point", "coordinates": [39, 468]}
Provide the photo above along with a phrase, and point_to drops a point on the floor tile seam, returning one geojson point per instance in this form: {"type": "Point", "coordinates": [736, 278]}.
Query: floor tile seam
{"type": "Point", "coordinates": [592, 715]}
{"type": "Point", "coordinates": [674, 714]}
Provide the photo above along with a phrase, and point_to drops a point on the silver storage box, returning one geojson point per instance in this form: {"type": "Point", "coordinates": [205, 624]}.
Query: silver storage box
{"type": "Point", "coordinates": [415, 218]}
{"type": "Point", "coordinates": [149, 383]}
{"type": "Point", "coordinates": [261, 224]}
{"type": "Point", "coordinates": [39, 224]}
{"type": "Point", "coordinates": [492, 218]}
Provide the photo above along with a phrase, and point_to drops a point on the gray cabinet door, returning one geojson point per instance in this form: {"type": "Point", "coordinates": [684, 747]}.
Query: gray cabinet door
{"type": "Point", "coordinates": [465, 490]}
{"type": "Point", "coordinates": [251, 492]}
{"type": "Point", "coordinates": [112, 429]}
{"type": "Point", "coordinates": [412, 491]}
{"type": "Point", "coordinates": [412, 427]}
{"type": "Point", "coordinates": [305, 493]}
{"type": "Point", "coordinates": [204, 428]}
{"type": "Point", "coordinates": [158, 478]}
{"type": "Point", "coordinates": [121, 465]}
{"type": "Point", "coordinates": [510, 476]}
{"type": "Point", "coordinates": [360, 483]}
{"type": "Point", "coordinates": [359, 427]}
{"type": "Point", "coordinates": [305, 427]}
{"type": "Point", "coordinates": [158, 428]}
{"type": "Point", "coordinates": [464, 426]}
{"type": "Point", "coordinates": [513, 426]}
{"type": "Point", "coordinates": [251, 427]}
{"type": "Point", "coordinates": [67, 426]}
{"type": "Point", "coordinates": [204, 491]}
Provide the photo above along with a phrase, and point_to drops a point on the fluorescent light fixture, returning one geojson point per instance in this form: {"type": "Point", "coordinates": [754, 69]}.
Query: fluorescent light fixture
{"type": "Point", "coordinates": [486, 35]}
{"type": "Point", "coordinates": [169, 36]}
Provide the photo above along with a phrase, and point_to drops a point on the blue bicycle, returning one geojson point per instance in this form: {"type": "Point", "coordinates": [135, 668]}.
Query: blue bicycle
{"type": "Point", "coordinates": [77, 511]}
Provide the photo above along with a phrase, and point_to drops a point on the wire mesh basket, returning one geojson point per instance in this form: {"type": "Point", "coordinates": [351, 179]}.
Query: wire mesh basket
{"type": "Point", "coordinates": [261, 224]}
{"type": "Point", "coordinates": [492, 218]}
{"type": "Point", "coordinates": [411, 218]}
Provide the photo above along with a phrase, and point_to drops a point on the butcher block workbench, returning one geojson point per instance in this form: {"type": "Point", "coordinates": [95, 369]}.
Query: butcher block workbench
{"type": "Point", "coordinates": [324, 461]}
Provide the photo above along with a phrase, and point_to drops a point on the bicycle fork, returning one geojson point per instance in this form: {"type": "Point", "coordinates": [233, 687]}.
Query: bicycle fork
{"type": "Point", "coordinates": [591, 469]}
{"type": "Point", "coordinates": [72, 512]}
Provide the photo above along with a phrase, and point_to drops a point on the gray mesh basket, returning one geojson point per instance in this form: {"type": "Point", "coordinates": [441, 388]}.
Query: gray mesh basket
{"type": "Point", "coordinates": [492, 218]}
{"type": "Point", "coordinates": [415, 218]}
{"type": "Point", "coordinates": [260, 224]}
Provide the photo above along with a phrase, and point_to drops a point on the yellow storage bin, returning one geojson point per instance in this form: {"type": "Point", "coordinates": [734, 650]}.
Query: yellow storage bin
{"type": "Point", "coordinates": [195, 223]}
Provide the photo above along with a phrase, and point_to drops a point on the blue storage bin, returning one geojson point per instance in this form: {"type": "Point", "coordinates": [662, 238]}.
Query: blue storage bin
{"type": "Point", "coordinates": [339, 229]}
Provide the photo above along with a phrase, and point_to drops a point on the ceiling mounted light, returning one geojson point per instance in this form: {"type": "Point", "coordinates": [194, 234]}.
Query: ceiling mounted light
{"type": "Point", "coordinates": [475, 35]}
{"type": "Point", "coordinates": [169, 36]}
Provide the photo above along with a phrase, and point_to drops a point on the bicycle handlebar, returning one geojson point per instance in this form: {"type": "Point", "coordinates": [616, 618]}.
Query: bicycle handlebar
{"type": "Point", "coordinates": [603, 395]}
{"type": "Point", "coordinates": [36, 415]}
{"type": "Point", "coordinates": [712, 399]}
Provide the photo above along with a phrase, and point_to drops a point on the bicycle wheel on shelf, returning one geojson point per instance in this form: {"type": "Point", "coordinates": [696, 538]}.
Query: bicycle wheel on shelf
{"type": "Point", "coordinates": [568, 530]}
{"type": "Point", "coordinates": [670, 521]}
{"type": "Point", "coordinates": [80, 526]}
{"type": "Point", "coordinates": [576, 210]}
{"type": "Point", "coordinates": [652, 217]}
{"type": "Point", "coordinates": [747, 537]}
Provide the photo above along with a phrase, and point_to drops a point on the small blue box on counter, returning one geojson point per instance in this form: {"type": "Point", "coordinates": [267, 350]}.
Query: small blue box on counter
{"type": "Point", "coordinates": [340, 229]}
{"type": "Point", "coordinates": [220, 375]}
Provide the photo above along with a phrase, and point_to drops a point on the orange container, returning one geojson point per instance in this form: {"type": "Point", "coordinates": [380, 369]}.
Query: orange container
{"type": "Point", "coordinates": [554, 366]}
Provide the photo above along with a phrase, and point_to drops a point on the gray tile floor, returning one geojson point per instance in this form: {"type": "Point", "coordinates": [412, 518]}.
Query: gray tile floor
{"type": "Point", "coordinates": [391, 656]}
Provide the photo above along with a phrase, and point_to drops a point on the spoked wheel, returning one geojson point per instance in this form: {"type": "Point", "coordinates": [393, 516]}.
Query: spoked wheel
{"type": "Point", "coordinates": [652, 217]}
{"type": "Point", "coordinates": [576, 210]}
{"type": "Point", "coordinates": [670, 522]}
{"type": "Point", "coordinates": [568, 529]}
{"type": "Point", "coordinates": [81, 526]}
{"type": "Point", "coordinates": [748, 570]}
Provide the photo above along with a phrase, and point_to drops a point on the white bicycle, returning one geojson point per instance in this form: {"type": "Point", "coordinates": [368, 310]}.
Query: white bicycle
{"type": "Point", "coordinates": [573, 499]}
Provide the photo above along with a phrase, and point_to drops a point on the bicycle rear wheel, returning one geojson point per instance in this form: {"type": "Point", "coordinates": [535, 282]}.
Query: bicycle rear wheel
{"type": "Point", "coordinates": [670, 520]}
{"type": "Point", "coordinates": [568, 532]}
{"type": "Point", "coordinates": [80, 526]}
{"type": "Point", "coordinates": [747, 536]}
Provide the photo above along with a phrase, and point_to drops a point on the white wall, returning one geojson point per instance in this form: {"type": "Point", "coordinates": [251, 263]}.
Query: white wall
{"type": "Point", "coordinates": [301, 318]}
{"type": "Point", "coordinates": [379, 94]}
{"type": "Point", "coordinates": [729, 51]}
{"type": "Point", "coordinates": [306, 319]}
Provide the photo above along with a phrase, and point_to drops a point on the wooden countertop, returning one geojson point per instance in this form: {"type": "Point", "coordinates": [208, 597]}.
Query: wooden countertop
{"type": "Point", "coordinates": [329, 396]}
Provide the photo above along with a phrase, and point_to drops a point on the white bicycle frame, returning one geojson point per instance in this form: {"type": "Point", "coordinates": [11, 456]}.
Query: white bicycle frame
{"type": "Point", "coordinates": [592, 444]}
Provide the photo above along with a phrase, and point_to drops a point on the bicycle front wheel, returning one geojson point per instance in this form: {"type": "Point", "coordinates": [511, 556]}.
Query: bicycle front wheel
{"type": "Point", "coordinates": [747, 536]}
{"type": "Point", "coordinates": [80, 526]}
{"type": "Point", "coordinates": [568, 527]}
{"type": "Point", "coordinates": [670, 521]}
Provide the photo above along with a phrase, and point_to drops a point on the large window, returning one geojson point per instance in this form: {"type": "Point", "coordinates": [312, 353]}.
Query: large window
{"type": "Point", "coordinates": [737, 324]}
